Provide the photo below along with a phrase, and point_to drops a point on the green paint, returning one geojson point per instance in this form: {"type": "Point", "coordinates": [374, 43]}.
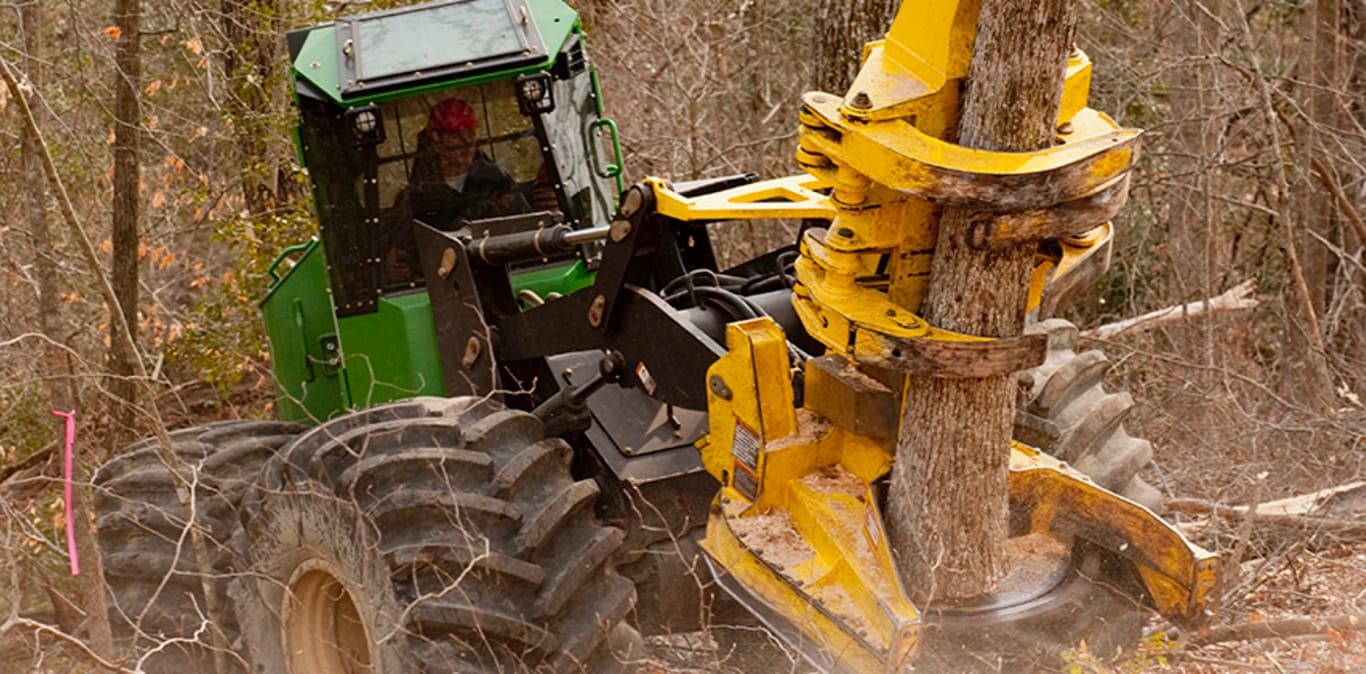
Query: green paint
{"type": "Point", "coordinates": [391, 354]}
{"type": "Point", "coordinates": [317, 60]}
{"type": "Point", "coordinates": [562, 279]}
{"type": "Point", "coordinates": [299, 325]}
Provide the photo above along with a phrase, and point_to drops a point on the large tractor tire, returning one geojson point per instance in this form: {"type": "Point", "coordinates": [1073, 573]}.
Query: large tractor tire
{"type": "Point", "coordinates": [429, 535]}
{"type": "Point", "coordinates": [1065, 411]}
{"type": "Point", "coordinates": [155, 589]}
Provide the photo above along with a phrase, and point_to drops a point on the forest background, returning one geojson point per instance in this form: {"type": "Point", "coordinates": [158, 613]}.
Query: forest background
{"type": "Point", "coordinates": [146, 154]}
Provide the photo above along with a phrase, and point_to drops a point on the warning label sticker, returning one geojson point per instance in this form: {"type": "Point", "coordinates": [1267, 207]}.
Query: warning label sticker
{"type": "Point", "coordinates": [745, 446]}
{"type": "Point", "coordinates": [744, 449]}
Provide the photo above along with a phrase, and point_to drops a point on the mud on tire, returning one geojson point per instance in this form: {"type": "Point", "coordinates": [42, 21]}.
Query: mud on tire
{"type": "Point", "coordinates": [149, 564]}
{"type": "Point", "coordinates": [1065, 411]}
{"type": "Point", "coordinates": [429, 535]}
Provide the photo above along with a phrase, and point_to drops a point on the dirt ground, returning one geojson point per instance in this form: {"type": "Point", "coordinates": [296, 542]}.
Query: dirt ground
{"type": "Point", "coordinates": [1288, 571]}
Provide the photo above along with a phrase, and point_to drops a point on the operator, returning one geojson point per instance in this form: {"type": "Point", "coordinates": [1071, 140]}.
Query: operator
{"type": "Point", "coordinates": [454, 180]}
{"type": "Point", "coordinates": [451, 181]}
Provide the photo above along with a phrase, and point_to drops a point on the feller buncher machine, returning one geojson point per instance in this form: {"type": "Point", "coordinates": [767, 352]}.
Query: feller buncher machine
{"type": "Point", "coordinates": [517, 435]}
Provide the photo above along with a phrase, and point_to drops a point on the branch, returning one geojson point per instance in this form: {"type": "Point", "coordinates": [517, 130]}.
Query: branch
{"type": "Point", "coordinates": [1344, 204]}
{"type": "Point", "coordinates": [1237, 298]}
{"type": "Point", "coordinates": [70, 640]}
{"type": "Point", "coordinates": [1279, 629]}
{"type": "Point", "coordinates": [1338, 527]}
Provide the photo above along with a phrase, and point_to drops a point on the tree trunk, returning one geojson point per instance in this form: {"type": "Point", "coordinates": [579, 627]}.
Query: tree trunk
{"type": "Point", "coordinates": [1321, 110]}
{"type": "Point", "coordinates": [842, 28]}
{"type": "Point", "coordinates": [1317, 213]}
{"type": "Point", "coordinates": [90, 590]}
{"type": "Point", "coordinates": [1192, 225]}
{"type": "Point", "coordinates": [250, 35]}
{"type": "Point", "coordinates": [60, 385]}
{"type": "Point", "coordinates": [1195, 248]}
{"type": "Point", "coordinates": [948, 503]}
{"type": "Point", "coordinates": [127, 174]}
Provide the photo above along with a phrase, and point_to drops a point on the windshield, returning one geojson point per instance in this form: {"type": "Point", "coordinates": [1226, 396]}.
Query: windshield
{"type": "Point", "coordinates": [444, 158]}
{"type": "Point", "coordinates": [415, 130]}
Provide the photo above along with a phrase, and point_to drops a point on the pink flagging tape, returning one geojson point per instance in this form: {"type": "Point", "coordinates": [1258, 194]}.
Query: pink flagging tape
{"type": "Point", "coordinates": [70, 519]}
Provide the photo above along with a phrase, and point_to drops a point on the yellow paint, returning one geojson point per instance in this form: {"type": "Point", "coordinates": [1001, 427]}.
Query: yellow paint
{"type": "Point", "coordinates": [881, 172]}
{"type": "Point", "coordinates": [1181, 576]}
{"type": "Point", "coordinates": [840, 586]}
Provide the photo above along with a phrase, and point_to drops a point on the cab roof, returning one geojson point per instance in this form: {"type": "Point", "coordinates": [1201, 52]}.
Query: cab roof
{"type": "Point", "coordinates": [382, 55]}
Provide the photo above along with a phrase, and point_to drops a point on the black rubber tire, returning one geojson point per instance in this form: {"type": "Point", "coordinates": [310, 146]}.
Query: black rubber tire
{"type": "Point", "coordinates": [149, 564]}
{"type": "Point", "coordinates": [1064, 410]}
{"type": "Point", "coordinates": [454, 527]}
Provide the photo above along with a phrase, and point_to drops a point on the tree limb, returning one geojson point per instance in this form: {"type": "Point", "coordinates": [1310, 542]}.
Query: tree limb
{"type": "Point", "coordinates": [1279, 629]}
{"type": "Point", "coordinates": [1237, 298]}
{"type": "Point", "coordinates": [1337, 527]}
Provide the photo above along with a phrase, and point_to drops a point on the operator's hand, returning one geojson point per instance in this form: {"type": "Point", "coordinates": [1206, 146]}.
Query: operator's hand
{"type": "Point", "coordinates": [397, 266]}
{"type": "Point", "coordinates": [543, 192]}
{"type": "Point", "coordinates": [543, 198]}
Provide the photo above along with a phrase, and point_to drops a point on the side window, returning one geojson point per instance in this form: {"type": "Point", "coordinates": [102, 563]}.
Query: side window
{"type": "Point", "coordinates": [570, 130]}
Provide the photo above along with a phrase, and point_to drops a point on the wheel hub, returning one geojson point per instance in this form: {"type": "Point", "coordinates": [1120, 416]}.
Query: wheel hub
{"type": "Point", "coordinates": [323, 631]}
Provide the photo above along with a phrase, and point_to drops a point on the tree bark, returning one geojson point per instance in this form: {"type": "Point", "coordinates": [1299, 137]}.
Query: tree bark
{"type": "Point", "coordinates": [1193, 245]}
{"type": "Point", "coordinates": [842, 28]}
{"type": "Point", "coordinates": [948, 502]}
{"type": "Point", "coordinates": [1309, 296]}
{"type": "Point", "coordinates": [127, 174]}
{"type": "Point", "coordinates": [89, 590]}
{"type": "Point", "coordinates": [1321, 111]}
{"type": "Point", "coordinates": [250, 37]}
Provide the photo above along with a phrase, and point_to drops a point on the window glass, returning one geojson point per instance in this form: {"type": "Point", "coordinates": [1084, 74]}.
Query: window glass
{"type": "Point", "coordinates": [578, 152]}
{"type": "Point", "coordinates": [503, 136]}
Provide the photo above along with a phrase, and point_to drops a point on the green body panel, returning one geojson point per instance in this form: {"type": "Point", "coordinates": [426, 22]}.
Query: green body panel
{"type": "Point", "coordinates": [387, 355]}
{"type": "Point", "coordinates": [300, 326]}
{"type": "Point", "coordinates": [391, 354]}
{"type": "Point", "coordinates": [317, 60]}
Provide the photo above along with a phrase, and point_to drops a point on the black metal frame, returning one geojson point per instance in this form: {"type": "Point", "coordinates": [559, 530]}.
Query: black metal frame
{"type": "Point", "coordinates": [474, 301]}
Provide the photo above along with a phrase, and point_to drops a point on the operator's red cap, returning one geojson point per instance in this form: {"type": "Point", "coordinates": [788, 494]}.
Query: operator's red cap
{"type": "Point", "coordinates": [452, 114]}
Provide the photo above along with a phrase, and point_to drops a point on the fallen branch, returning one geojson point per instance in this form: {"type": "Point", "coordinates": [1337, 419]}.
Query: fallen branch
{"type": "Point", "coordinates": [1305, 504]}
{"type": "Point", "coordinates": [74, 642]}
{"type": "Point", "coordinates": [1338, 527]}
{"type": "Point", "coordinates": [1237, 298]}
{"type": "Point", "coordinates": [1275, 629]}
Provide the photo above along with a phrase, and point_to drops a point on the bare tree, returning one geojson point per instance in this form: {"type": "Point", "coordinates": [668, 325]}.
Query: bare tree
{"type": "Point", "coordinates": [61, 384]}
{"type": "Point", "coordinates": [947, 504]}
{"type": "Point", "coordinates": [127, 176]}
{"type": "Point", "coordinates": [842, 28]}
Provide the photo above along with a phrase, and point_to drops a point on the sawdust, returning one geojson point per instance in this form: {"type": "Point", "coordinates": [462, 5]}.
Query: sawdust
{"type": "Point", "coordinates": [1035, 560]}
{"type": "Point", "coordinates": [811, 427]}
{"type": "Point", "coordinates": [837, 600]}
{"type": "Point", "coordinates": [773, 537]}
{"type": "Point", "coordinates": [835, 479]}
{"type": "Point", "coordinates": [851, 372]}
